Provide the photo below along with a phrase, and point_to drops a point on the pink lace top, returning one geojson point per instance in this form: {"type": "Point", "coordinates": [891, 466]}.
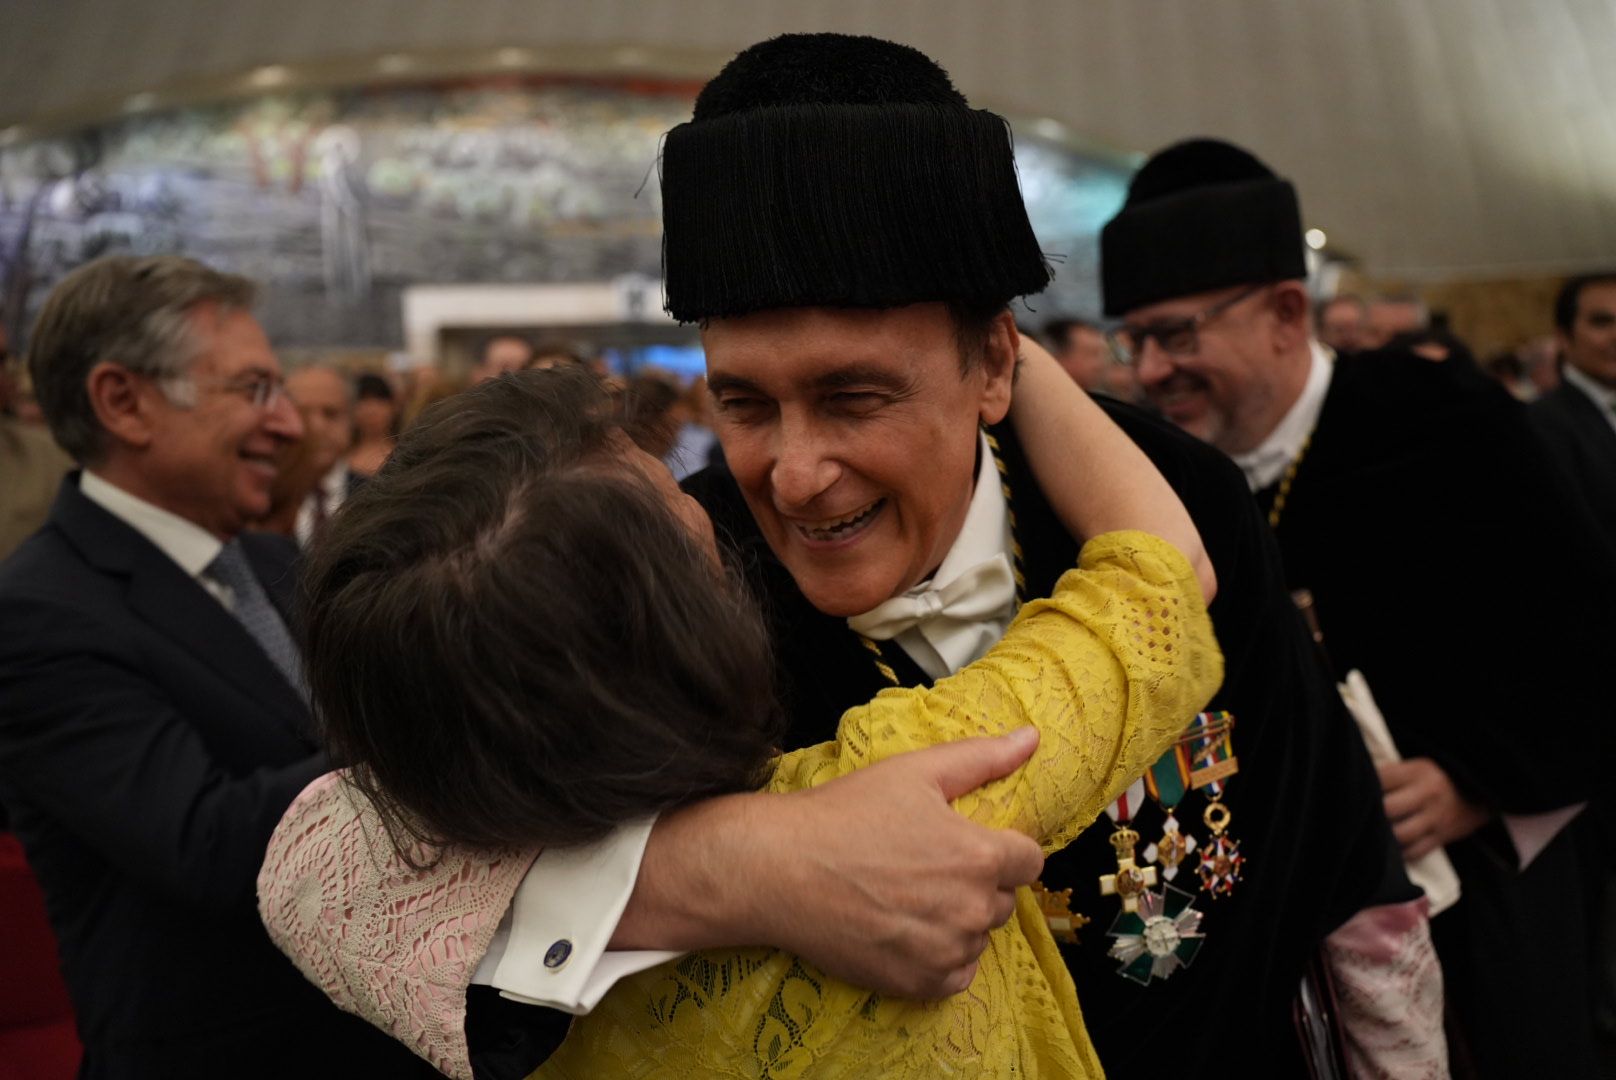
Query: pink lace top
{"type": "Point", "coordinates": [396, 945]}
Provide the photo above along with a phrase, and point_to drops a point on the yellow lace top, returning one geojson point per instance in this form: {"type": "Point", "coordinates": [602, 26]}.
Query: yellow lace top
{"type": "Point", "coordinates": [1110, 670]}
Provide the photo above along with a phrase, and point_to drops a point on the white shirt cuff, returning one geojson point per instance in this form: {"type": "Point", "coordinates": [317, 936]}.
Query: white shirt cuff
{"type": "Point", "coordinates": [551, 948]}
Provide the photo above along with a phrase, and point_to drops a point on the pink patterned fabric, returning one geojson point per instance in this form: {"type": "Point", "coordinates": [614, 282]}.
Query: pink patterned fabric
{"type": "Point", "coordinates": [393, 944]}
{"type": "Point", "coordinates": [1389, 990]}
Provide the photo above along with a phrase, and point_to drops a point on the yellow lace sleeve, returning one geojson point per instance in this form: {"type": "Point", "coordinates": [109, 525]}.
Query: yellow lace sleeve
{"type": "Point", "coordinates": [1109, 670]}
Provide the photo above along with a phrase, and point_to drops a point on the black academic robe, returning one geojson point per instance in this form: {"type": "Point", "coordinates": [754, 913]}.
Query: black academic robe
{"type": "Point", "coordinates": [1306, 804]}
{"type": "Point", "coordinates": [1451, 565]}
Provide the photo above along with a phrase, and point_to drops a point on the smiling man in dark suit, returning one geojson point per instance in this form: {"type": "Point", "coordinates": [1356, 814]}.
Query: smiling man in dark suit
{"type": "Point", "coordinates": [1578, 418]}
{"type": "Point", "coordinates": [153, 723]}
{"type": "Point", "coordinates": [1577, 422]}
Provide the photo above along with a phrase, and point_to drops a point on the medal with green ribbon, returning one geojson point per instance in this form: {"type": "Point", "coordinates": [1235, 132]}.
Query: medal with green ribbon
{"type": "Point", "coordinates": [1168, 782]}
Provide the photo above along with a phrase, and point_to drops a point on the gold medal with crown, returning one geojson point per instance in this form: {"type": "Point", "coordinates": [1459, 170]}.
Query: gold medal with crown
{"type": "Point", "coordinates": [1130, 879]}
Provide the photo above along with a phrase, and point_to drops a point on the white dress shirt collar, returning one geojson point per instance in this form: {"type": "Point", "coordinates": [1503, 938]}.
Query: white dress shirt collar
{"type": "Point", "coordinates": [334, 486]}
{"type": "Point", "coordinates": [984, 535]}
{"type": "Point", "coordinates": [335, 482]}
{"type": "Point", "coordinates": [1268, 462]}
{"type": "Point", "coordinates": [187, 543]}
{"type": "Point", "coordinates": [1602, 396]}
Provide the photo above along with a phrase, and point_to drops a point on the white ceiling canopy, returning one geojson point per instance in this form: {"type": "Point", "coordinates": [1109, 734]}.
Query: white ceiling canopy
{"type": "Point", "coordinates": [1429, 138]}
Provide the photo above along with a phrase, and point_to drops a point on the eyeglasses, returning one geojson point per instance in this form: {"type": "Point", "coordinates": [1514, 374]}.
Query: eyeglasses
{"type": "Point", "coordinates": [264, 392]}
{"type": "Point", "coordinates": [1174, 336]}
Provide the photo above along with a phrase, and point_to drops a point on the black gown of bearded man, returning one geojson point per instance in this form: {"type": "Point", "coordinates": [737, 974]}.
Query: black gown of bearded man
{"type": "Point", "coordinates": [1492, 666]}
{"type": "Point", "coordinates": [822, 170]}
{"type": "Point", "coordinates": [1448, 562]}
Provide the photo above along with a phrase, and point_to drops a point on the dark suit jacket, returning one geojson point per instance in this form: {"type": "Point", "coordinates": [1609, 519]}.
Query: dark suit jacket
{"type": "Point", "coordinates": [148, 746]}
{"type": "Point", "coordinates": [1583, 443]}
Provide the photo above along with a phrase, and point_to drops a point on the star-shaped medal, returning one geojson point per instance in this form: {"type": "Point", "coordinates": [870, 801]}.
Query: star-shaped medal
{"type": "Point", "coordinates": [1163, 936]}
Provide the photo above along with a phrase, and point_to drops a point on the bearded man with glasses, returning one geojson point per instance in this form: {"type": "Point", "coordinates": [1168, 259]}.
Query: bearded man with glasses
{"type": "Point", "coordinates": [1390, 482]}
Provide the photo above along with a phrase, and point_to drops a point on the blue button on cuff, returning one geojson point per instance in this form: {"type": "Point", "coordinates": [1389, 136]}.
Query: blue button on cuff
{"type": "Point", "coordinates": [557, 955]}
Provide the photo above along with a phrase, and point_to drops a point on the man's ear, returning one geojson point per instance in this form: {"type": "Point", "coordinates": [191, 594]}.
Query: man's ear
{"type": "Point", "coordinates": [999, 354]}
{"type": "Point", "coordinates": [1293, 316]}
{"type": "Point", "coordinates": [122, 405]}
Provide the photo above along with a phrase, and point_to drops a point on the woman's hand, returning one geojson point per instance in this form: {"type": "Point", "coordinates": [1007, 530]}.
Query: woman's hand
{"type": "Point", "coordinates": [1093, 475]}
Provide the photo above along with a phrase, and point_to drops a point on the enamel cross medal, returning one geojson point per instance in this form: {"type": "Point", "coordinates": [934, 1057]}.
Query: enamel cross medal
{"type": "Point", "coordinates": [1163, 935]}
{"type": "Point", "coordinates": [1168, 781]}
{"type": "Point", "coordinates": [1212, 762]}
{"type": "Point", "coordinates": [1130, 880]}
{"type": "Point", "coordinates": [1056, 907]}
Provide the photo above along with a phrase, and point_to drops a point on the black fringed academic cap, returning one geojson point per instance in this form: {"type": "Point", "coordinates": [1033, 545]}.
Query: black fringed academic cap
{"type": "Point", "coordinates": [837, 171]}
{"type": "Point", "coordinates": [1200, 215]}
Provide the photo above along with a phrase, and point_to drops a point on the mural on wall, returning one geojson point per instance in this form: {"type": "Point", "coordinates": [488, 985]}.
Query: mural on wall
{"type": "Point", "coordinates": [1070, 196]}
{"type": "Point", "coordinates": [336, 201]}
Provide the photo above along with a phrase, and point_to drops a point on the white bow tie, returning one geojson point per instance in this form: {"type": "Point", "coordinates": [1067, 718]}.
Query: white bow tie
{"type": "Point", "coordinates": [983, 592]}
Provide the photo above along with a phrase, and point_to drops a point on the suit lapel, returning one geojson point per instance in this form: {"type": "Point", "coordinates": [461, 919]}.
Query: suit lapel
{"type": "Point", "coordinates": [176, 605]}
{"type": "Point", "coordinates": [1592, 428]}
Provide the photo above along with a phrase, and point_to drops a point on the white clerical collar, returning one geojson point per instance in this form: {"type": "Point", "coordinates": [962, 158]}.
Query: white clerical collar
{"type": "Point", "coordinates": [1601, 395]}
{"type": "Point", "coordinates": [186, 542]}
{"type": "Point", "coordinates": [984, 536]}
{"type": "Point", "coordinates": [1268, 462]}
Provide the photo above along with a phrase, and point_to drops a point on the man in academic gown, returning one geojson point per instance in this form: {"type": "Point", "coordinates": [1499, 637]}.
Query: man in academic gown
{"type": "Point", "coordinates": [849, 233]}
{"type": "Point", "coordinates": [1389, 481]}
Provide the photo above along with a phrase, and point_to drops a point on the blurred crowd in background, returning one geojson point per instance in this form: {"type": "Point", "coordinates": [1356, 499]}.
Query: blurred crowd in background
{"type": "Point", "coordinates": [352, 417]}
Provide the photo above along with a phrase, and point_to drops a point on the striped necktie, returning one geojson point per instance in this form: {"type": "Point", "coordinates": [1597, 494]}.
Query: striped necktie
{"type": "Point", "coordinates": [253, 610]}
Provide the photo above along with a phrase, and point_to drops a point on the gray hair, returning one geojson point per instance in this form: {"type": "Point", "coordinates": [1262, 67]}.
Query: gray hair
{"type": "Point", "coordinates": [350, 392]}
{"type": "Point", "coordinates": [131, 311]}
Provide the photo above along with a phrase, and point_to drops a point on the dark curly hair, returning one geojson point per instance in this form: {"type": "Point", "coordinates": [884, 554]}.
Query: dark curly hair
{"type": "Point", "coordinates": [513, 642]}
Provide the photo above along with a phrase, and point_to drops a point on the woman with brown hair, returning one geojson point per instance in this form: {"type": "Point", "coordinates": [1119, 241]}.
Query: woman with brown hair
{"type": "Point", "coordinates": [376, 423]}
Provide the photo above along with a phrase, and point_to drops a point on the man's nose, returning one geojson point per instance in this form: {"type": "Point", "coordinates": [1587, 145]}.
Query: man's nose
{"type": "Point", "coordinates": [803, 466]}
{"type": "Point", "coordinates": [1152, 364]}
{"type": "Point", "coordinates": [283, 420]}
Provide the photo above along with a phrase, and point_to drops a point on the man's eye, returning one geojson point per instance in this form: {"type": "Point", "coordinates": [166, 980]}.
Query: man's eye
{"type": "Point", "coordinates": [739, 405]}
{"type": "Point", "coordinates": [858, 402]}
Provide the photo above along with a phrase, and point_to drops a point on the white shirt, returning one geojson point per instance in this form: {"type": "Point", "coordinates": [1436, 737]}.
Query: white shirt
{"type": "Point", "coordinates": [334, 486]}
{"type": "Point", "coordinates": [190, 545]}
{"type": "Point", "coordinates": [576, 896]}
{"type": "Point", "coordinates": [1602, 396]}
{"type": "Point", "coordinates": [571, 898]}
{"type": "Point", "coordinates": [1268, 462]}
{"type": "Point", "coordinates": [984, 534]}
